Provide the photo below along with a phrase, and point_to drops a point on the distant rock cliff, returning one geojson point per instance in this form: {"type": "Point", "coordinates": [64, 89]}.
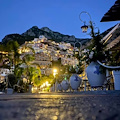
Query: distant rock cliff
{"type": "Point", "coordinates": [35, 32]}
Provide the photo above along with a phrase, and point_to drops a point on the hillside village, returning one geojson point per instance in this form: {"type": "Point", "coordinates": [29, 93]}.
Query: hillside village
{"type": "Point", "coordinates": [47, 51]}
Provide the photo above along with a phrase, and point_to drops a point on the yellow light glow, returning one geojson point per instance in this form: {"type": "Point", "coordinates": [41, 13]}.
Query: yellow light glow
{"type": "Point", "coordinates": [43, 84]}
{"type": "Point", "coordinates": [54, 70]}
{"type": "Point", "coordinates": [46, 83]}
{"type": "Point", "coordinates": [49, 84]}
{"type": "Point", "coordinates": [54, 74]}
{"type": "Point", "coordinates": [34, 89]}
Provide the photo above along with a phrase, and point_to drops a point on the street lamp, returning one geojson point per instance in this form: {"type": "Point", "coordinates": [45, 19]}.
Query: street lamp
{"type": "Point", "coordinates": [84, 27]}
{"type": "Point", "coordinates": [54, 74]}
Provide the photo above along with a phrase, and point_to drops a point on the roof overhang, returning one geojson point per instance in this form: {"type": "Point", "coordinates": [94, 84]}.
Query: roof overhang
{"type": "Point", "coordinates": [113, 13]}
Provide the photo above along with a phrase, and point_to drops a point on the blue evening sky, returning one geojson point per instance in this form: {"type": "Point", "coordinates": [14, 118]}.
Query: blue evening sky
{"type": "Point", "coordinates": [17, 16]}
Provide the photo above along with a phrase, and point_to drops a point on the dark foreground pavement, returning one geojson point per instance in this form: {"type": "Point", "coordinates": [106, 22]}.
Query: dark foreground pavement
{"type": "Point", "coordinates": [97, 105]}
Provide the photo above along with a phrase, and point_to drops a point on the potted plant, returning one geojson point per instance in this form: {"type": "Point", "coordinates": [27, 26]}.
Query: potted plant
{"type": "Point", "coordinates": [65, 84]}
{"type": "Point", "coordinates": [59, 87]}
{"type": "Point", "coordinates": [95, 72]}
{"type": "Point", "coordinates": [11, 82]}
{"type": "Point", "coordinates": [59, 81]}
{"type": "Point", "coordinates": [75, 80]}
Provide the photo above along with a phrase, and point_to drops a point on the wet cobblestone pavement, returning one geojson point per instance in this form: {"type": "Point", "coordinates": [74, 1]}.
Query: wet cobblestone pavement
{"type": "Point", "coordinates": [58, 106]}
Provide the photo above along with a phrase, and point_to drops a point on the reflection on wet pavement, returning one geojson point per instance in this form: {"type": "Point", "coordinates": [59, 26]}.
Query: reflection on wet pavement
{"type": "Point", "coordinates": [60, 107]}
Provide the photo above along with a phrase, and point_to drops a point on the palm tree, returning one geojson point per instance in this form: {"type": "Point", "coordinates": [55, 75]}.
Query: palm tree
{"type": "Point", "coordinates": [31, 70]}
{"type": "Point", "coordinates": [32, 74]}
{"type": "Point", "coordinates": [12, 48]}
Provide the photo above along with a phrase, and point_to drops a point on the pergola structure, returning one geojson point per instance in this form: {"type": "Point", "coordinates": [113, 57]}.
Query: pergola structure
{"type": "Point", "coordinates": [113, 13]}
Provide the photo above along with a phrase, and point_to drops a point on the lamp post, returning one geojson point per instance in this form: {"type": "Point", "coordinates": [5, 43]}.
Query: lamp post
{"type": "Point", "coordinates": [79, 44]}
{"type": "Point", "coordinates": [54, 74]}
{"type": "Point", "coordinates": [84, 30]}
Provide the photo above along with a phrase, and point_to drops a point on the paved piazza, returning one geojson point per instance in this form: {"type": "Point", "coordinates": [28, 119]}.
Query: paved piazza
{"type": "Point", "coordinates": [61, 106]}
